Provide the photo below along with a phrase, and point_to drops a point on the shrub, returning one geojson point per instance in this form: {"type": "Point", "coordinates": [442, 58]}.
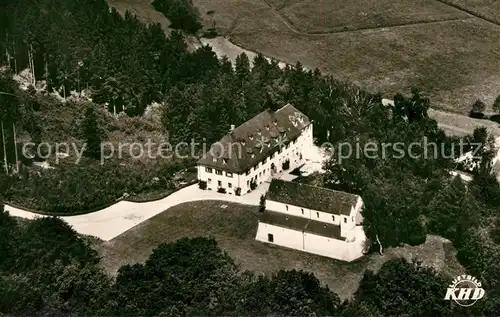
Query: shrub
{"type": "Point", "coordinates": [253, 185]}
{"type": "Point", "coordinates": [262, 203]}
{"type": "Point", "coordinates": [181, 13]}
{"type": "Point", "coordinates": [237, 191]}
{"type": "Point", "coordinates": [221, 190]}
{"type": "Point", "coordinates": [202, 184]}
{"type": "Point", "coordinates": [286, 165]}
{"type": "Point", "coordinates": [476, 115]}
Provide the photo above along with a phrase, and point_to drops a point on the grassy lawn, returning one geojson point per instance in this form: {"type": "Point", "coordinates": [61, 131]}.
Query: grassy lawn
{"type": "Point", "coordinates": [332, 16]}
{"type": "Point", "coordinates": [234, 227]}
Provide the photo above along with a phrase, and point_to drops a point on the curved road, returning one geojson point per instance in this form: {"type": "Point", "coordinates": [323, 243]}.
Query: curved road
{"type": "Point", "coordinates": [112, 221]}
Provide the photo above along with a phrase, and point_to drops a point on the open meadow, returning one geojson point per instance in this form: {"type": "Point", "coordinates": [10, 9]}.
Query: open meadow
{"type": "Point", "coordinates": [488, 9]}
{"type": "Point", "coordinates": [234, 227]}
{"type": "Point", "coordinates": [388, 46]}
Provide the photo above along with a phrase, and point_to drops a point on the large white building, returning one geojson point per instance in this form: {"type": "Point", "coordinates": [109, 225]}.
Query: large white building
{"type": "Point", "coordinates": [252, 153]}
{"type": "Point", "coordinates": [313, 219]}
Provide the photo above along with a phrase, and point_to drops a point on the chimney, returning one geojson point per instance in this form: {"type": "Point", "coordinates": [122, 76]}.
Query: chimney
{"type": "Point", "coordinates": [232, 128]}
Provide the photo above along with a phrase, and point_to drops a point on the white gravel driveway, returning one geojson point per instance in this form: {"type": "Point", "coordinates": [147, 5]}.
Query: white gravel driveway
{"type": "Point", "coordinates": [112, 221]}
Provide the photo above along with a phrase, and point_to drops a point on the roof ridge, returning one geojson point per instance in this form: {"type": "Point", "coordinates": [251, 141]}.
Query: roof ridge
{"type": "Point", "coordinates": [308, 185]}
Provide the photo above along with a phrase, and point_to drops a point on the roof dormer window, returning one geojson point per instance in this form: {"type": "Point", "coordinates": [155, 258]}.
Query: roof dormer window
{"type": "Point", "coordinates": [259, 132]}
{"type": "Point", "coordinates": [250, 136]}
{"type": "Point", "coordinates": [267, 127]}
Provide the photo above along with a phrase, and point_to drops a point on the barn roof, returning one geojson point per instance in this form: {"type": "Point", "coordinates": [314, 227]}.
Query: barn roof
{"type": "Point", "coordinates": [312, 197]}
{"type": "Point", "coordinates": [256, 139]}
{"type": "Point", "coordinates": [302, 224]}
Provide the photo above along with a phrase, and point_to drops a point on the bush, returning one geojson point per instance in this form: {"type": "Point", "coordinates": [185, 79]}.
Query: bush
{"type": "Point", "coordinates": [181, 13]}
{"type": "Point", "coordinates": [253, 185]}
{"type": "Point", "coordinates": [202, 184]}
{"type": "Point", "coordinates": [210, 33]}
{"type": "Point", "coordinates": [286, 165]}
{"type": "Point", "coordinates": [476, 115]}
{"type": "Point", "coordinates": [262, 203]}
{"type": "Point", "coordinates": [495, 118]}
{"type": "Point", "coordinates": [237, 192]}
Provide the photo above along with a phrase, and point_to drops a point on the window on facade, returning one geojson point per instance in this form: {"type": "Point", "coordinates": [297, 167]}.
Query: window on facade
{"type": "Point", "coordinates": [255, 167]}
{"type": "Point", "coordinates": [333, 218]}
{"type": "Point", "coordinates": [302, 210]}
{"type": "Point", "coordinates": [209, 180]}
{"type": "Point", "coordinates": [317, 214]}
{"type": "Point", "coordinates": [270, 237]}
{"type": "Point", "coordinates": [218, 172]}
{"type": "Point", "coordinates": [248, 172]}
{"type": "Point", "coordinates": [229, 185]}
{"type": "Point", "coordinates": [264, 161]}
{"type": "Point", "coordinates": [219, 183]}
{"type": "Point", "coordinates": [352, 219]}
{"type": "Point", "coordinates": [229, 174]}
{"type": "Point", "coordinates": [345, 220]}
{"type": "Point", "coordinates": [208, 169]}
{"type": "Point", "coordinates": [248, 183]}
{"type": "Point", "coordinates": [286, 207]}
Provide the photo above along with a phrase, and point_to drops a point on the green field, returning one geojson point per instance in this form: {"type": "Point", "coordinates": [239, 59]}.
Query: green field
{"type": "Point", "coordinates": [234, 228]}
{"type": "Point", "coordinates": [389, 46]}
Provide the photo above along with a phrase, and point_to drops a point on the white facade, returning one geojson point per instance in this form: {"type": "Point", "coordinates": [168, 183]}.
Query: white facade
{"type": "Point", "coordinates": [311, 243]}
{"type": "Point", "coordinates": [350, 228]}
{"type": "Point", "coordinates": [294, 152]}
{"type": "Point", "coordinates": [346, 222]}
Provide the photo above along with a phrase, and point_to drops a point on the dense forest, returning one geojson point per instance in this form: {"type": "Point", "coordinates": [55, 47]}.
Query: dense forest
{"type": "Point", "coordinates": [126, 65]}
{"type": "Point", "coordinates": [51, 271]}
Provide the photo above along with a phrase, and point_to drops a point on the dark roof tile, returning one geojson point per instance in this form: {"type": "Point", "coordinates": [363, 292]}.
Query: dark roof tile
{"type": "Point", "coordinates": [245, 147]}
{"type": "Point", "coordinates": [302, 224]}
{"type": "Point", "coordinates": [311, 197]}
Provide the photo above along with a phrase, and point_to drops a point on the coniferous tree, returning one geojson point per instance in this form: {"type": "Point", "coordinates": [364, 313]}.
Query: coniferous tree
{"type": "Point", "coordinates": [92, 133]}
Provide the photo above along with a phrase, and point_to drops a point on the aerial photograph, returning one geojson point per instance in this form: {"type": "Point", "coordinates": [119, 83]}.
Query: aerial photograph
{"type": "Point", "coordinates": [250, 158]}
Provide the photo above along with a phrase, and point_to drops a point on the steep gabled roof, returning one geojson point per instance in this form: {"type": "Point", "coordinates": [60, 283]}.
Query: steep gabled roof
{"type": "Point", "coordinates": [301, 224]}
{"type": "Point", "coordinates": [256, 139]}
{"type": "Point", "coordinates": [312, 197]}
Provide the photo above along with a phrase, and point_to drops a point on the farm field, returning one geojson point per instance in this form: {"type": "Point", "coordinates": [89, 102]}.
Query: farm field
{"type": "Point", "coordinates": [488, 9]}
{"type": "Point", "coordinates": [454, 57]}
{"type": "Point", "coordinates": [234, 228]}
{"type": "Point", "coordinates": [332, 16]}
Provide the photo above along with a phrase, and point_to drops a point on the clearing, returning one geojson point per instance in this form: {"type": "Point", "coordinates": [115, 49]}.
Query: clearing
{"type": "Point", "coordinates": [234, 227]}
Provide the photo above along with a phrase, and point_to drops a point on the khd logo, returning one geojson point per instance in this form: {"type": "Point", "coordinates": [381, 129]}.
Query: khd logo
{"type": "Point", "coordinates": [465, 290]}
